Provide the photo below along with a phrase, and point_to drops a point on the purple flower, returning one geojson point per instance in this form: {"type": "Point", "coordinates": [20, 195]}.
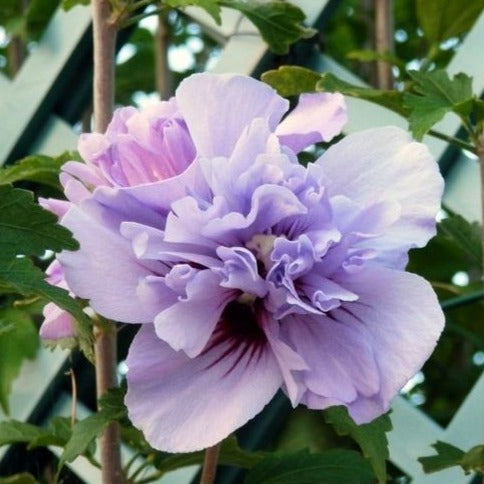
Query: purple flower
{"type": "Point", "coordinates": [252, 273]}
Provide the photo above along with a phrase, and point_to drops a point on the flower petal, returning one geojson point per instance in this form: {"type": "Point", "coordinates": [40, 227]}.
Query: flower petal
{"type": "Point", "coordinates": [317, 117]}
{"type": "Point", "coordinates": [111, 287]}
{"type": "Point", "coordinates": [182, 404]}
{"type": "Point", "coordinates": [385, 164]}
{"type": "Point", "coordinates": [217, 108]}
{"type": "Point", "coordinates": [403, 319]}
{"type": "Point", "coordinates": [58, 323]}
{"type": "Point", "coordinates": [188, 324]}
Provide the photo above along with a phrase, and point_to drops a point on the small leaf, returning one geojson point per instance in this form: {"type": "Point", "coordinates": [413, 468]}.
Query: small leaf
{"type": "Point", "coordinates": [36, 168]}
{"type": "Point", "coordinates": [16, 345]}
{"type": "Point", "coordinates": [279, 23]}
{"type": "Point", "coordinates": [28, 229]}
{"type": "Point", "coordinates": [389, 99]}
{"type": "Point", "coordinates": [291, 80]}
{"type": "Point", "coordinates": [435, 96]}
{"type": "Point", "coordinates": [371, 437]}
{"type": "Point", "coordinates": [440, 19]}
{"type": "Point", "coordinates": [22, 478]}
{"type": "Point", "coordinates": [210, 6]}
{"type": "Point", "coordinates": [330, 467]}
{"type": "Point", "coordinates": [372, 55]}
{"type": "Point", "coordinates": [447, 456]}
{"type": "Point", "coordinates": [83, 434]}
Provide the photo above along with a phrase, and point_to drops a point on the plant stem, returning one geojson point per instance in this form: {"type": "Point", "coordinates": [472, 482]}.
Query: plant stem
{"type": "Point", "coordinates": [104, 34]}
{"type": "Point", "coordinates": [480, 154]}
{"type": "Point", "coordinates": [210, 464]}
{"type": "Point", "coordinates": [104, 49]}
{"type": "Point", "coordinates": [384, 41]}
{"type": "Point", "coordinates": [106, 359]}
{"type": "Point", "coordinates": [462, 300]}
{"type": "Point", "coordinates": [162, 70]}
{"type": "Point", "coordinates": [452, 140]}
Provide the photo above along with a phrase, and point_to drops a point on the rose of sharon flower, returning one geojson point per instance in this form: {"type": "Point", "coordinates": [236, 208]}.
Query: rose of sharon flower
{"type": "Point", "coordinates": [139, 146]}
{"type": "Point", "coordinates": [254, 273]}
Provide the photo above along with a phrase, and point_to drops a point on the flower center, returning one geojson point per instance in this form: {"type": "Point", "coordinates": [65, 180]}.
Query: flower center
{"type": "Point", "coordinates": [262, 245]}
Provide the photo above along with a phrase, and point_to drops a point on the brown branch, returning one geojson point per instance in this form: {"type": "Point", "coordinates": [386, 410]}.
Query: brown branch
{"type": "Point", "coordinates": [162, 71]}
{"type": "Point", "coordinates": [210, 464]}
{"type": "Point", "coordinates": [480, 154]}
{"type": "Point", "coordinates": [384, 41]}
{"type": "Point", "coordinates": [104, 34]}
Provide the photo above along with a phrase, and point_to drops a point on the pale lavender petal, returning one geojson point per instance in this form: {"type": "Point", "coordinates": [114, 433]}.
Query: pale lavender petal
{"type": "Point", "coordinates": [227, 104]}
{"type": "Point", "coordinates": [317, 117]}
{"type": "Point", "coordinates": [386, 164]}
{"type": "Point", "coordinates": [339, 356]}
{"type": "Point", "coordinates": [403, 320]}
{"type": "Point", "coordinates": [188, 324]}
{"type": "Point", "coordinates": [111, 288]}
{"type": "Point", "coordinates": [183, 404]}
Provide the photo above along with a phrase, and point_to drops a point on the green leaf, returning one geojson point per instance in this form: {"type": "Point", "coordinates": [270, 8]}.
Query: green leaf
{"type": "Point", "coordinates": [279, 23]}
{"type": "Point", "coordinates": [466, 236]}
{"type": "Point", "coordinates": [372, 55]}
{"type": "Point", "coordinates": [83, 435]}
{"type": "Point", "coordinates": [68, 4]}
{"type": "Point", "coordinates": [57, 434]}
{"type": "Point", "coordinates": [435, 96]}
{"type": "Point", "coordinates": [210, 6]}
{"type": "Point", "coordinates": [112, 403]}
{"type": "Point", "coordinates": [14, 432]}
{"type": "Point", "coordinates": [371, 437]}
{"type": "Point", "coordinates": [22, 478]}
{"type": "Point", "coordinates": [447, 456]}
{"type": "Point", "coordinates": [230, 454]}
{"type": "Point", "coordinates": [442, 19]}
{"type": "Point", "coordinates": [19, 275]}
{"type": "Point", "coordinates": [38, 169]}
{"type": "Point", "coordinates": [389, 99]}
{"type": "Point", "coordinates": [291, 80]}
{"type": "Point", "coordinates": [16, 345]}
{"type": "Point", "coordinates": [330, 467]}
{"type": "Point", "coordinates": [28, 229]}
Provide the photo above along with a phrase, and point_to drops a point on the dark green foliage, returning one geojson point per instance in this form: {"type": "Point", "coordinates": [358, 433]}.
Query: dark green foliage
{"type": "Point", "coordinates": [19, 340]}
{"type": "Point", "coordinates": [26, 228]}
{"type": "Point", "coordinates": [330, 467]}
{"type": "Point", "coordinates": [371, 437]}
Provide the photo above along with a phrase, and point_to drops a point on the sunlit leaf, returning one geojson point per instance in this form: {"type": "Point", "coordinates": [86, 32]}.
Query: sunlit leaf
{"type": "Point", "coordinates": [435, 95]}
{"type": "Point", "coordinates": [279, 23]}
